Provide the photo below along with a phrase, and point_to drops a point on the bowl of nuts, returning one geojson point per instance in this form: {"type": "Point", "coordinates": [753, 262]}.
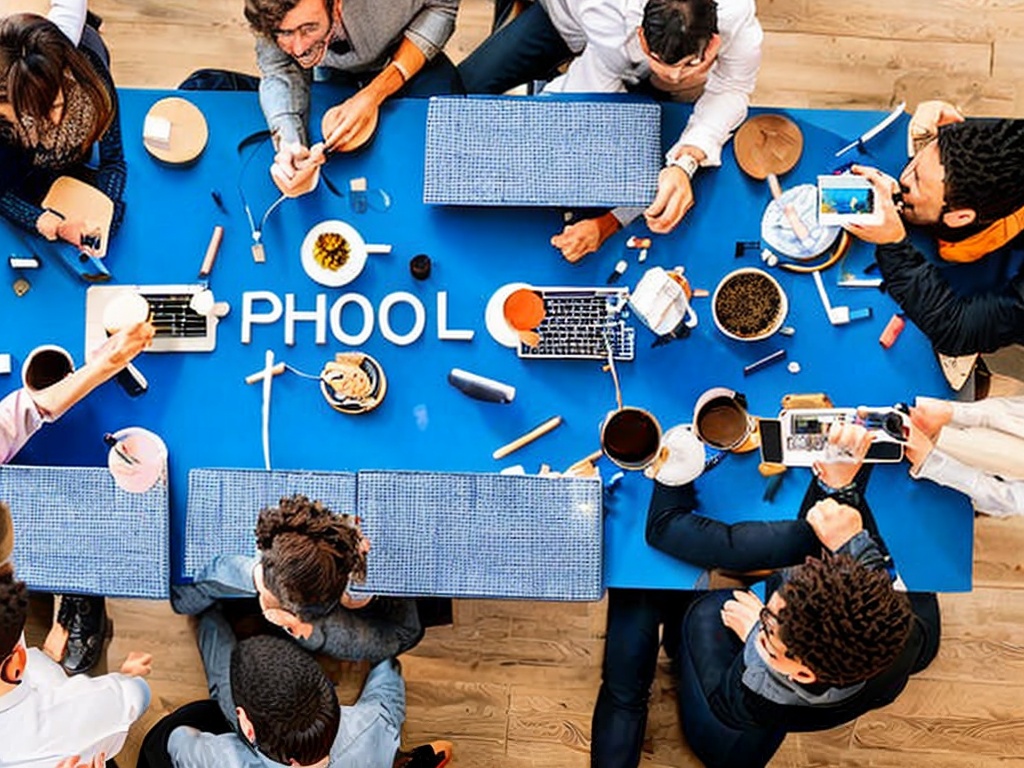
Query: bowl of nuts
{"type": "Point", "coordinates": [749, 305]}
{"type": "Point", "coordinates": [334, 254]}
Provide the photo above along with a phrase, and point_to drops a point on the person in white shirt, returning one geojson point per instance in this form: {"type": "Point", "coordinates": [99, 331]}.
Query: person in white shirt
{"type": "Point", "coordinates": [684, 50]}
{"type": "Point", "coordinates": [976, 448]}
{"type": "Point", "coordinates": [46, 715]}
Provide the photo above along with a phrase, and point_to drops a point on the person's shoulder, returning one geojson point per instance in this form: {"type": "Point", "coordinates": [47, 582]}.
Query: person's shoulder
{"type": "Point", "coordinates": [734, 14]}
{"type": "Point", "coordinates": [609, 23]}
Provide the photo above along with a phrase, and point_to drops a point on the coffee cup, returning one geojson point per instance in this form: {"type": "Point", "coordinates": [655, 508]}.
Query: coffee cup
{"type": "Point", "coordinates": [45, 366]}
{"type": "Point", "coordinates": [720, 419]}
{"type": "Point", "coordinates": [137, 459]}
{"type": "Point", "coordinates": [662, 301]}
{"type": "Point", "coordinates": [631, 437]}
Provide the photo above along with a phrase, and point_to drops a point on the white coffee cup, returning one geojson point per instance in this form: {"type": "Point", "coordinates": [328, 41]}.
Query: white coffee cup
{"type": "Point", "coordinates": [45, 366]}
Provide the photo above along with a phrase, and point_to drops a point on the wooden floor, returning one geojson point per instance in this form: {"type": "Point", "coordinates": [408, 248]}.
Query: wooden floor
{"type": "Point", "coordinates": [513, 684]}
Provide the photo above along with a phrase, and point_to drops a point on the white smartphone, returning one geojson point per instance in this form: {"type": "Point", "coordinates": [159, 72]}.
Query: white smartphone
{"type": "Point", "coordinates": [847, 199]}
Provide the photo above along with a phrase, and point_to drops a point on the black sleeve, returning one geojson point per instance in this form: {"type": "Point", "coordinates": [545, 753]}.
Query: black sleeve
{"type": "Point", "coordinates": [113, 171]}
{"type": "Point", "coordinates": [956, 325]}
{"type": "Point", "coordinates": [674, 528]}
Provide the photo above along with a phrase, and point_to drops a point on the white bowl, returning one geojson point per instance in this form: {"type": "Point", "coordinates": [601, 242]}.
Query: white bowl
{"type": "Point", "coordinates": [351, 269]}
{"type": "Point", "coordinates": [779, 319]}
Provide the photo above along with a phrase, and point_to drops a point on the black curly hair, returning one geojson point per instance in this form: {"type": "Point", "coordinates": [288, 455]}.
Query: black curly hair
{"type": "Point", "coordinates": [844, 621]}
{"type": "Point", "coordinates": [984, 164]}
{"type": "Point", "coordinates": [291, 704]}
{"type": "Point", "coordinates": [308, 555]}
{"type": "Point", "coordinates": [679, 29]}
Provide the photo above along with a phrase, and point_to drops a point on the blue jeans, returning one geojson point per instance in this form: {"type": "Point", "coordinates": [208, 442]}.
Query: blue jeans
{"type": "Point", "coordinates": [527, 48]}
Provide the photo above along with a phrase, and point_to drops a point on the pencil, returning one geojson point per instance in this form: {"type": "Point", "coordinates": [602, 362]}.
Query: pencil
{"type": "Point", "coordinates": [529, 437]}
{"type": "Point", "coordinates": [211, 250]}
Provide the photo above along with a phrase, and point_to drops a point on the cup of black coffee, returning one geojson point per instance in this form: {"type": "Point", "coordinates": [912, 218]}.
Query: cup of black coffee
{"type": "Point", "coordinates": [45, 366]}
{"type": "Point", "coordinates": [720, 419]}
{"type": "Point", "coordinates": [631, 437]}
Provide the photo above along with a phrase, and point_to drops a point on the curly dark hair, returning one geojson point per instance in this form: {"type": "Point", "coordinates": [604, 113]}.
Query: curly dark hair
{"type": "Point", "coordinates": [844, 621]}
{"type": "Point", "coordinates": [308, 555]}
{"type": "Point", "coordinates": [264, 16]}
{"type": "Point", "coordinates": [291, 704]}
{"type": "Point", "coordinates": [984, 164]}
{"type": "Point", "coordinates": [13, 610]}
{"type": "Point", "coordinates": [679, 29]}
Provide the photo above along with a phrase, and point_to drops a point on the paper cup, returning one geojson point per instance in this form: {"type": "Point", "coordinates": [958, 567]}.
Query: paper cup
{"type": "Point", "coordinates": [138, 460]}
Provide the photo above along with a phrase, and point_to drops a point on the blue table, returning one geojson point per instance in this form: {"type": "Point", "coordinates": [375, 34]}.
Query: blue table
{"type": "Point", "coordinates": [210, 418]}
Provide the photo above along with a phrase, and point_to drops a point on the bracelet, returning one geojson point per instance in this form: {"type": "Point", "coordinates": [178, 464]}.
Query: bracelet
{"type": "Point", "coordinates": [402, 71]}
{"type": "Point", "coordinates": [687, 162]}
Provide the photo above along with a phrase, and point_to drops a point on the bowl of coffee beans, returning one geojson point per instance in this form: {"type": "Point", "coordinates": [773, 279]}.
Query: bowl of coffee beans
{"type": "Point", "coordinates": [749, 305]}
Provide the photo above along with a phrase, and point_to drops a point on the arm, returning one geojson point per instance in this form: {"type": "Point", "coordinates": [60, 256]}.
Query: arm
{"type": "Point", "coordinates": [385, 628]}
{"type": "Point", "coordinates": [606, 56]}
{"type": "Point", "coordinates": [432, 27]}
{"type": "Point", "coordinates": [723, 105]}
{"type": "Point", "coordinates": [990, 494]}
{"type": "Point", "coordinates": [675, 529]}
{"type": "Point", "coordinates": [284, 92]}
{"type": "Point", "coordinates": [113, 171]}
{"type": "Point", "coordinates": [69, 16]}
{"type": "Point", "coordinates": [19, 420]}
{"type": "Point", "coordinates": [1003, 414]}
{"type": "Point", "coordinates": [956, 325]}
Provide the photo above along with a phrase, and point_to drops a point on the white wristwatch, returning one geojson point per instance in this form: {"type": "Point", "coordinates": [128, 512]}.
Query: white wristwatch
{"type": "Point", "coordinates": [687, 162]}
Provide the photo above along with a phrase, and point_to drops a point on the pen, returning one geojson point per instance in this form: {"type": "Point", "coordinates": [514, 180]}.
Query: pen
{"type": "Point", "coordinates": [765, 361]}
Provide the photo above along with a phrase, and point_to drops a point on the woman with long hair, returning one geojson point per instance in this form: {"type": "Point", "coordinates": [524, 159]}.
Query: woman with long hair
{"type": "Point", "coordinates": [57, 101]}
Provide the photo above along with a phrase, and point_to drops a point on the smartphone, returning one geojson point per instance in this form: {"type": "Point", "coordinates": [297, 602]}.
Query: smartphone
{"type": "Point", "coordinates": [771, 441]}
{"type": "Point", "coordinates": [132, 381]}
{"type": "Point", "coordinates": [847, 199]}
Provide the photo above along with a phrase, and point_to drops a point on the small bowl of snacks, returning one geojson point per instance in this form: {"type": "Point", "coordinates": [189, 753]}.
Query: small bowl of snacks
{"type": "Point", "coordinates": [749, 305]}
{"type": "Point", "coordinates": [334, 254]}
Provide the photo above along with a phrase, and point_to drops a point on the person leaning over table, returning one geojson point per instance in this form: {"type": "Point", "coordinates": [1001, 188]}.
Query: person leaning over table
{"type": "Point", "coordinates": [976, 448]}
{"type": "Point", "coordinates": [966, 185]}
{"type": "Point", "coordinates": [381, 49]}
{"type": "Point", "coordinates": [834, 640]}
{"type": "Point", "coordinates": [307, 557]}
{"type": "Point", "coordinates": [684, 50]}
{"type": "Point", "coordinates": [82, 619]}
{"type": "Point", "coordinates": [45, 714]}
{"type": "Point", "coordinates": [57, 100]}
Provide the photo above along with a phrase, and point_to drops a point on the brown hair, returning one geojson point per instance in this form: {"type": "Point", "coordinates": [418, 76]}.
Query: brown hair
{"type": "Point", "coordinates": [264, 16]}
{"type": "Point", "coordinates": [308, 554]}
{"type": "Point", "coordinates": [36, 61]}
{"type": "Point", "coordinates": [843, 620]}
{"type": "Point", "coordinates": [13, 610]}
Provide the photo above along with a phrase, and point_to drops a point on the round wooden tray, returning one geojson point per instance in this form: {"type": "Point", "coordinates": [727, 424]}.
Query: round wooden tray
{"type": "Point", "coordinates": [767, 144]}
{"type": "Point", "coordinates": [189, 132]}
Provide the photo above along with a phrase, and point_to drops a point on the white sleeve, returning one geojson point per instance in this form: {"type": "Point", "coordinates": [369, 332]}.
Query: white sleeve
{"type": "Point", "coordinates": [990, 494]}
{"type": "Point", "coordinates": [723, 105]}
{"type": "Point", "coordinates": [19, 420]}
{"type": "Point", "coordinates": [1005, 414]}
{"type": "Point", "coordinates": [605, 57]}
{"type": "Point", "coordinates": [69, 15]}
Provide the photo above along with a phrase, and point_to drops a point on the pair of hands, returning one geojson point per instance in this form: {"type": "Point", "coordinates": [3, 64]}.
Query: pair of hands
{"type": "Point", "coordinates": [671, 203]}
{"type": "Point", "coordinates": [927, 419]}
{"type": "Point", "coordinates": [296, 168]}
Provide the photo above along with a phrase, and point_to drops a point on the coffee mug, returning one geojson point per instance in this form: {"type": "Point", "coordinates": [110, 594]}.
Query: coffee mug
{"type": "Point", "coordinates": [137, 459]}
{"type": "Point", "coordinates": [45, 366]}
{"type": "Point", "coordinates": [631, 437]}
{"type": "Point", "coordinates": [720, 419]}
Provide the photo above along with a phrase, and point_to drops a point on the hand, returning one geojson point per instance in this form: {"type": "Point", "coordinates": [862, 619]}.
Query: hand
{"type": "Point", "coordinates": [917, 447]}
{"type": "Point", "coordinates": [56, 642]}
{"type": "Point", "coordinates": [121, 348]}
{"type": "Point", "coordinates": [296, 169]}
{"type": "Point", "coordinates": [929, 115]}
{"type": "Point", "coordinates": [347, 121]}
{"type": "Point", "coordinates": [674, 199]}
{"type": "Point", "coordinates": [930, 416]}
{"type": "Point", "coordinates": [852, 442]}
{"type": "Point", "coordinates": [73, 230]}
{"type": "Point", "coordinates": [137, 664]}
{"type": "Point", "coordinates": [890, 229]}
{"type": "Point", "coordinates": [742, 613]}
{"type": "Point", "coordinates": [98, 761]}
{"type": "Point", "coordinates": [578, 239]}
{"type": "Point", "coordinates": [834, 524]}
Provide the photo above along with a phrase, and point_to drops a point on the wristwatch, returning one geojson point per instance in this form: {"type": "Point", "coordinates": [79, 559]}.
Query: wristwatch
{"type": "Point", "coordinates": [687, 162]}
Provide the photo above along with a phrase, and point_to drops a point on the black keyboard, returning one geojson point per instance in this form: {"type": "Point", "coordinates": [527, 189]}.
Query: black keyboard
{"type": "Point", "coordinates": [581, 323]}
